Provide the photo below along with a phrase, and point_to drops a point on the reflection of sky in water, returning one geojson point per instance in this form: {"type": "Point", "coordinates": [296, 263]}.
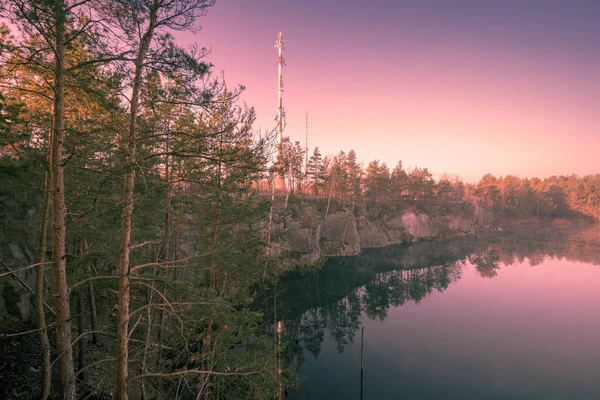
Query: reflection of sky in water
{"type": "Point", "coordinates": [527, 333]}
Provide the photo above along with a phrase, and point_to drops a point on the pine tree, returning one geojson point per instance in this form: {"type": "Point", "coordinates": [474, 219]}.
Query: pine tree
{"type": "Point", "coordinates": [398, 181]}
{"type": "Point", "coordinates": [314, 171]}
{"type": "Point", "coordinates": [354, 173]}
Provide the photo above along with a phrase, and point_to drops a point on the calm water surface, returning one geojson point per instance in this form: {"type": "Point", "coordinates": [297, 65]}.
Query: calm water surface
{"type": "Point", "coordinates": [458, 320]}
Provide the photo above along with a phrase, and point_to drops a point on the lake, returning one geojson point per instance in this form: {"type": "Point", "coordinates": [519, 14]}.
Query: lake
{"type": "Point", "coordinates": [503, 318]}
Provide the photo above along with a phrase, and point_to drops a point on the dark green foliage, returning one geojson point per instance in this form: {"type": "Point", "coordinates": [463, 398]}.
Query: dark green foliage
{"type": "Point", "coordinates": [196, 210]}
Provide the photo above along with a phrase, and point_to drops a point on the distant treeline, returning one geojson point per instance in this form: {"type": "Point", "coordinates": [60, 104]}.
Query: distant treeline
{"type": "Point", "coordinates": [343, 178]}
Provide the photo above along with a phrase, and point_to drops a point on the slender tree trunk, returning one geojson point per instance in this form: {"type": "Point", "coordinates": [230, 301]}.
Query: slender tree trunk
{"type": "Point", "coordinates": [91, 295]}
{"type": "Point", "coordinates": [167, 239]}
{"type": "Point", "coordinates": [279, 367]}
{"type": "Point", "coordinates": [178, 273]}
{"type": "Point", "coordinates": [39, 293]}
{"type": "Point", "coordinates": [123, 323]}
{"type": "Point", "coordinates": [290, 186]}
{"type": "Point", "coordinates": [214, 236]}
{"type": "Point", "coordinates": [270, 224]}
{"type": "Point", "coordinates": [60, 290]}
{"type": "Point", "coordinates": [82, 343]}
{"type": "Point", "coordinates": [269, 228]}
{"type": "Point", "coordinates": [318, 241]}
{"type": "Point", "coordinates": [318, 232]}
{"type": "Point", "coordinates": [93, 313]}
{"type": "Point", "coordinates": [168, 210]}
{"type": "Point", "coordinates": [146, 346]}
{"type": "Point", "coordinates": [126, 215]}
{"type": "Point", "coordinates": [213, 264]}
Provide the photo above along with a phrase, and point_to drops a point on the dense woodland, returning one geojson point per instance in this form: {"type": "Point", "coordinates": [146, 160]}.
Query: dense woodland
{"type": "Point", "coordinates": [344, 179]}
{"type": "Point", "coordinates": [133, 193]}
{"type": "Point", "coordinates": [137, 164]}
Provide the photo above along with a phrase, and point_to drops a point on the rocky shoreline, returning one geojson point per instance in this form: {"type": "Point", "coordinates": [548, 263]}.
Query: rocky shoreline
{"type": "Point", "coordinates": [350, 229]}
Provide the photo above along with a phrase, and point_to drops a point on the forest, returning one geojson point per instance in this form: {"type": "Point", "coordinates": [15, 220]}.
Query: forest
{"type": "Point", "coordinates": [343, 178]}
{"type": "Point", "coordinates": [137, 197]}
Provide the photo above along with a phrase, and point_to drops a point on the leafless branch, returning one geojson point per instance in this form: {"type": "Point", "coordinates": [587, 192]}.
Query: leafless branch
{"type": "Point", "coordinates": [11, 271]}
{"type": "Point", "coordinates": [175, 374]}
{"type": "Point", "coordinates": [135, 246]}
{"type": "Point", "coordinates": [25, 332]}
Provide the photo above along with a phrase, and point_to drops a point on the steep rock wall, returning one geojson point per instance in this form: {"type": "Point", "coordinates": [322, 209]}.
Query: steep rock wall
{"type": "Point", "coordinates": [347, 231]}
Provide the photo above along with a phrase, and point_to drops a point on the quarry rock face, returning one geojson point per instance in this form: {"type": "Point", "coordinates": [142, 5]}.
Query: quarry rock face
{"type": "Point", "coordinates": [348, 230]}
{"type": "Point", "coordinates": [339, 235]}
{"type": "Point", "coordinates": [301, 239]}
{"type": "Point", "coordinates": [418, 225]}
{"type": "Point", "coordinates": [372, 234]}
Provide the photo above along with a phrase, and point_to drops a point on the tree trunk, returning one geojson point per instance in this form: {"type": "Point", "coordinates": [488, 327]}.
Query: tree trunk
{"type": "Point", "coordinates": [91, 295]}
{"type": "Point", "coordinates": [213, 264]}
{"type": "Point", "coordinates": [178, 275]}
{"type": "Point", "coordinates": [60, 289]}
{"type": "Point", "coordinates": [126, 215]}
{"type": "Point", "coordinates": [143, 368]}
{"type": "Point", "coordinates": [317, 251]}
{"type": "Point", "coordinates": [270, 224]}
{"type": "Point", "coordinates": [93, 313]}
{"type": "Point", "coordinates": [328, 203]}
{"type": "Point", "coordinates": [161, 329]}
{"type": "Point", "coordinates": [39, 294]}
{"type": "Point", "coordinates": [82, 343]}
{"type": "Point", "coordinates": [215, 232]}
{"type": "Point", "coordinates": [279, 368]}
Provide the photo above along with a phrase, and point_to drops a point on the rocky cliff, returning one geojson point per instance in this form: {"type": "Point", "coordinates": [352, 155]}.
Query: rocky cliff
{"type": "Point", "coordinates": [310, 230]}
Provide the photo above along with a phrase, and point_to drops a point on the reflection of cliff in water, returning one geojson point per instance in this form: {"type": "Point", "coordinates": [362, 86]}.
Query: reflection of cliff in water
{"type": "Point", "coordinates": [334, 297]}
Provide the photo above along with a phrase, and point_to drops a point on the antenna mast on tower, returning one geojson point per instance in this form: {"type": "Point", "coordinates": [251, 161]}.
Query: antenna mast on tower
{"type": "Point", "coordinates": [280, 63]}
{"type": "Point", "coordinates": [280, 180]}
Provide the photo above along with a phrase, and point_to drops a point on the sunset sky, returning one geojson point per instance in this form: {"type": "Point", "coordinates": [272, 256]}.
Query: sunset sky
{"type": "Point", "coordinates": [462, 87]}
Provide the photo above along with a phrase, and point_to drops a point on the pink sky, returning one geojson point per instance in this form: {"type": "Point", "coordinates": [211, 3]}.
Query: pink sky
{"type": "Point", "coordinates": [465, 90]}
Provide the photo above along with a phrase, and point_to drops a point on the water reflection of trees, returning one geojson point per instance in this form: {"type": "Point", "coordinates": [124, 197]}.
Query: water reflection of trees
{"type": "Point", "coordinates": [486, 262]}
{"type": "Point", "coordinates": [331, 301]}
{"type": "Point", "coordinates": [384, 289]}
{"type": "Point", "coordinates": [579, 247]}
